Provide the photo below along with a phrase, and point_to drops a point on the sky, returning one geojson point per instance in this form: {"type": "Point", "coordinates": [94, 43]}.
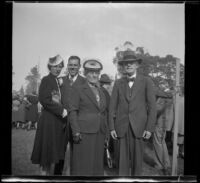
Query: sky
{"type": "Point", "coordinates": [92, 30]}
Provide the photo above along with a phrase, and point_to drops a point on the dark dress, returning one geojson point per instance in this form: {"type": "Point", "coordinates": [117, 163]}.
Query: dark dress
{"type": "Point", "coordinates": [49, 145]}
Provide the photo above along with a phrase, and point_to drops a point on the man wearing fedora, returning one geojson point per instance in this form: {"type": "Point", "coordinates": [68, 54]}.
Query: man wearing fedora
{"type": "Point", "coordinates": [88, 121]}
{"type": "Point", "coordinates": [132, 114]}
{"type": "Point", "coordinates": [72, 79]}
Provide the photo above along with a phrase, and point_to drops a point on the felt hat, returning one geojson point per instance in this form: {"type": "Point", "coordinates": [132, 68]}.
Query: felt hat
{"type": "Point", "coordinates": [128, 56]}
{"type": "Point", "coordinates": [105, 79]}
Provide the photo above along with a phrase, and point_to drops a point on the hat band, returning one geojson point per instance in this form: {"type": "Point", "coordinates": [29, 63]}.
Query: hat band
{"type": "Point", "coordinates": [93, 69]}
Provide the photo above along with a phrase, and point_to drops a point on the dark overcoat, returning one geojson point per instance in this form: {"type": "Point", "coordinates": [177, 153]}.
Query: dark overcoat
{"type": "Point", "coordinates": [85, 114]}
{"type": "Point", "coordinates": [49, 145]}
{"type": "Point", "coordinates": [139, 110]}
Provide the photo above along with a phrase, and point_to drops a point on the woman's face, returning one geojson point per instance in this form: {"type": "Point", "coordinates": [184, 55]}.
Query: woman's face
{"type": "Point", "coordinates": [55, 70]}
{"type": "Point", "coordinates": [92, 76]}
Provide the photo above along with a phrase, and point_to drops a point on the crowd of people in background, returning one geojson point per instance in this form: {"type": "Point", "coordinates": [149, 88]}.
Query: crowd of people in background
{"type": "Point", "coordinates": [101, 122]}
{"type": "Point", "coordinates": [25, 111]}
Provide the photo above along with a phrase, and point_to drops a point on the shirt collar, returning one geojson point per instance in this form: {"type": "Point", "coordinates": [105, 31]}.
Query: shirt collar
{"type": "Point", "coordinates": [74, 78]}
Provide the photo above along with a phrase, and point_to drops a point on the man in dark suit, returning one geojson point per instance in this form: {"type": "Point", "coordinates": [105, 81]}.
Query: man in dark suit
{"type": "Point", "coordinates": [132, 114]}
{"type": "Point", "coordinates": [71, 79]}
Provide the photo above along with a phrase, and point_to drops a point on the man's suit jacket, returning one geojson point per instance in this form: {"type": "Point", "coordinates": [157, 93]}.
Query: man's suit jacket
{"type": "Point", "coordinates": [67, 93]}
{"type": "Point", "coordinates": [139, 110]}
{"type": "Point", "coordinates": [86, 116]}
{"type": "Point", "coordinates": [66, 88]}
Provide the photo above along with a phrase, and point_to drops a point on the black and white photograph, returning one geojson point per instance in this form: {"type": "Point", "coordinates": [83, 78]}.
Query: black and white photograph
{"type": "Point", "coordinates": [98, 89]}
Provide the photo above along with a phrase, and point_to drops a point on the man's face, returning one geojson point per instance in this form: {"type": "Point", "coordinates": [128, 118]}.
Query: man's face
{"type": "Point", "coordinates": [55, 70]}
{"type": "Point", "coordinates": [73, 67]}
{"type": "Point", "coordinates": [130, 67]}
{"type": "Point", "coordinates": [93, 76]}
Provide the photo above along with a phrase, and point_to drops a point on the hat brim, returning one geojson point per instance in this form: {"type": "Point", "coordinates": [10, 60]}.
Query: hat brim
{"type": "Point", "coordinates": [93, 69]}
{"type": "Point", "coordinates": [130, 60]}
{"type": "Point", "coordinates": [56, 63]}
{"type": "Point", "coordinates": [105, 81]}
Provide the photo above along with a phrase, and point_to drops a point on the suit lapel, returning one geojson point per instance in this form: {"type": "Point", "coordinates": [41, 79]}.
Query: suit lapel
{"type": "Point", "coordinates": [102, 100]}
{"type": "Point", "coordinates": [123, 86]}
{"type": "Point", "coordinates": [77, 82]}
{"type": "Point", "coordinates": [90, 94]}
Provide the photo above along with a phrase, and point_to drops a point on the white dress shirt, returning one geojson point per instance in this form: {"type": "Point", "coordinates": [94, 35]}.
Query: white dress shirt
{"type": "Point", "coordinates": [130, 83]}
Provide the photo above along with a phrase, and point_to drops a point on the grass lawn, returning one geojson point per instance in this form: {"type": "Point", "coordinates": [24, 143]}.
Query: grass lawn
{"type": "Point", "coordinates": [22, 145]}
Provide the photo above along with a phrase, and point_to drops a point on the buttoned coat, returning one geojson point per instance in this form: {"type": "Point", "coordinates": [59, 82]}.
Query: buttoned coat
{"type": "Point", "coordinates": [86, 116]}
{"type": "Point", "coordinates": [139, 110]}
{"type": "Point", "coordinates": [49, 145]}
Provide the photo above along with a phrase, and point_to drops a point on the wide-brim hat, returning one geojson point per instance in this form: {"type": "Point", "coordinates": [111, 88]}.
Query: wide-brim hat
{"type": "Point", "coordinates": [105, 79]}
{"type": "Point", "coordinates": [92, 64]}
{"type": "Point", "coordinates": [53, 61]}
{"type": "Point", "coordinates": [129, 56]}
{"type": "Point", "coordinates": [162, 94]}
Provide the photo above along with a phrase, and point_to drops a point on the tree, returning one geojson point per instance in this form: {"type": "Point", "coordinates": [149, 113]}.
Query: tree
{"type": "Point", "coordinates": [21, 91]}
{"type": "Point", "coordinates": [33, 79]}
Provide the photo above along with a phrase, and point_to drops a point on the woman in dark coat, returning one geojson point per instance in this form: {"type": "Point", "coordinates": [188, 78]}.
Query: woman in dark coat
{"type": "Point", "coordinates": [49, 145]}
{"type": "Point", "coordinates": [88, 121]}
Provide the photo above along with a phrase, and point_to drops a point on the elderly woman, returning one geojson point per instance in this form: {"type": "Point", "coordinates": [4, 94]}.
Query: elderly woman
{"type": "Point", "coordinates": [49, 145]}
{"type": "Point", "coordinates": [89, 122]}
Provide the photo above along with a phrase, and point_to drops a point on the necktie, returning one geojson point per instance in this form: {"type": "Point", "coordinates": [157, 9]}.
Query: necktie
{"type": "Point", "coordinates": [71, 81]}
{"type": "Point", "coordinates": [131, 79]}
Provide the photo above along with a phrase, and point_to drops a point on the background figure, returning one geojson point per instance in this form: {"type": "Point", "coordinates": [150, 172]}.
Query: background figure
{"type": "Point", "coordinates": [32, 111]}
{"type": "Point", "coordinates": [72, 79]}
{"type": "Point", "coordinates": [21, 114]}
{"type": "Point", "coordinates": [132, 114]}
{"type": "Point", "coordinates": [170, 117]}
{"type": "Point", "coordinates": [162, 157]}
{"type": "Point", "coordinates": [105, 83]}
{"type": "Point", "coordinates": [89, 123]}
{"type": "Point", "coordinates": [49, 144]}
{"type": "Point", "coordinates": [180, 138]}
{"type": "Point", "coordinates": [15, 108]}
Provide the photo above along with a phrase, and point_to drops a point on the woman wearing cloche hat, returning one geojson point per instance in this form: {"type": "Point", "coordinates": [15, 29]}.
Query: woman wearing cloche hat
{"type": "Point", "coordinates": [49, 146]}
{"type": "Point", "coordinates": [88, 120]}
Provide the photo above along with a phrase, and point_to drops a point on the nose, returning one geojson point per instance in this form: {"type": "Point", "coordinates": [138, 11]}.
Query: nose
{"type": "Point", "coordinates": [94, 74]}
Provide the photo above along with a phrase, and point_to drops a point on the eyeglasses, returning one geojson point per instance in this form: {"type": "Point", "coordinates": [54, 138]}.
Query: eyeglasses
{"type": "Point", "coordinates": [128, 63]}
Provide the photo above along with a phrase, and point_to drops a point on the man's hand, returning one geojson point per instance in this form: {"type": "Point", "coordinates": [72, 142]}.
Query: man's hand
{"type": "Point", "coordinates": [113, 134]}
{"type": "Point", "coordinates": [77, 138]}
{"type": "Point", "coordinates": [146, 135]}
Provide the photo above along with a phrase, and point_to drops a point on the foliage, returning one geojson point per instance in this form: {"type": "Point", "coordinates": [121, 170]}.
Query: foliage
{"type": "Point", "coordinates": [33, 80]}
